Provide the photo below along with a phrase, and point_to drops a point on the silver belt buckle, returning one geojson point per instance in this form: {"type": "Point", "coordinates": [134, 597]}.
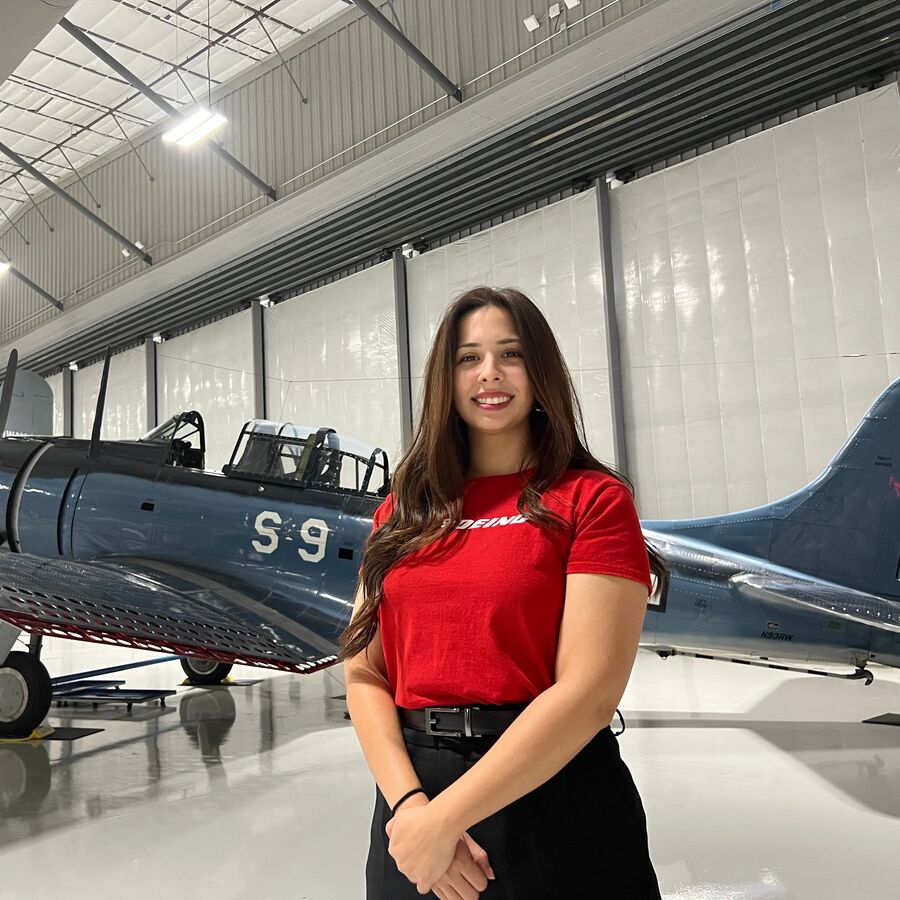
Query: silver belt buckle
{"type": "Point", "coordinates": [437, 732]}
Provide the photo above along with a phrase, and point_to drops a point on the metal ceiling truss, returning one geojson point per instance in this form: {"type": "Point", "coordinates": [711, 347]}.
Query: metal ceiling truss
{"type": "Point", "coordinates": [284, 64]}
{"type": "Point", "coordinates": [222, 35]}
{"type": "Point", "coordinates": [37, 289]}
{"type": "Point", "coordinates": [157, 59]}
{"type": "Point", "coordinates": [59, 94]}
{"type": "Point", "coordinates": [757, 68]}
{"type": "Point", "coordinates": [47, 183]}
{"type": "Point", "coordinates": [118, 109]}
{"type": "Point", "coordinates": [85, 40]}
{"type": "Point", "coordinates": [409, 48]}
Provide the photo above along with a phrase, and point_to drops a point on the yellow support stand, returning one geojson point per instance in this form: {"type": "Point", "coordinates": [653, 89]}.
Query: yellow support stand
{"type": "Point", "coordinates": [188, 683]}
{"type": "Point", "coordinates": [39, 733]}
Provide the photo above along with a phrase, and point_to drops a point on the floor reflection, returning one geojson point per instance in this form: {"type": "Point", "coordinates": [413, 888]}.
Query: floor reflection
{"type": "Point", "coordinates": [155, 752]}
{"type": "Point", "coordinates": [861, 760]}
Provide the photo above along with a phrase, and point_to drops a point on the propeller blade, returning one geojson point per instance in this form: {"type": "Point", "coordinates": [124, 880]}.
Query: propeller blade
{"type": "Point", "coordinates": [101, 403]}
{"type": "Point", "coordinates": [9, 382]}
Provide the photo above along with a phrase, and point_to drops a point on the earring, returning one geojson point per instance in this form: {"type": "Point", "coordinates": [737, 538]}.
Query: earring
{"type": "Point", "coordinates": [537, 408]}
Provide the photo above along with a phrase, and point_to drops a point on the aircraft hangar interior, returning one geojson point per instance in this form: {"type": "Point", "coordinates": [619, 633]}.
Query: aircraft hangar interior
{"type": "Point", "coordinates": [230, 230]}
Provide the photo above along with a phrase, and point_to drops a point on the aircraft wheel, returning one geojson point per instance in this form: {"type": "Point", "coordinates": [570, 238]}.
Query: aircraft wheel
{"type": "Point", "coordinates": [25, 694]}
{"type": "Point", "coordinates": [204, 671]}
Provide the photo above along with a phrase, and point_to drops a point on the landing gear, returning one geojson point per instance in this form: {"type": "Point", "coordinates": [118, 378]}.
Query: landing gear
{"type": "Point", "coordinates": [204, 671]}
{"type": "Point", "coordinates": [25, 694]}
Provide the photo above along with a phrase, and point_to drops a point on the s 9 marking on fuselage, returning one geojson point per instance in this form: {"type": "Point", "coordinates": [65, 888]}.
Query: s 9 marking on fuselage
{"type": "Point", "coordinates": [313, 532]}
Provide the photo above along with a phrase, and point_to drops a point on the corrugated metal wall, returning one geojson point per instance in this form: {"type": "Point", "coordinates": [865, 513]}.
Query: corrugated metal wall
{"type": "Point", "coordinates": [363, 92]}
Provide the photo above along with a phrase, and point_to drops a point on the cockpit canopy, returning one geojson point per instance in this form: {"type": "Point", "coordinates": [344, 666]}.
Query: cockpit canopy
{"type": "Point", "coordinates": [185, 437]}
{"type": "Point", "coordinates": [310, 457]}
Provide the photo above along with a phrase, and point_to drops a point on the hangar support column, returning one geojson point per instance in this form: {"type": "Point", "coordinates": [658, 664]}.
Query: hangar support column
{"type": "Point", "coordinates": [611, 325]}
{"type": "Point", "coordinates": [257, 337]}
{"type": "Point", "coordinates": [152, 407]}
{"type": "Point", "coordinates": [401, 314]}
{"type": "Point", "coordinates": [67, 379]}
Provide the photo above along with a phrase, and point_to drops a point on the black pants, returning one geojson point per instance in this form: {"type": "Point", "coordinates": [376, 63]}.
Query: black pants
{"type": "Point", "coordinates": [582, 835]}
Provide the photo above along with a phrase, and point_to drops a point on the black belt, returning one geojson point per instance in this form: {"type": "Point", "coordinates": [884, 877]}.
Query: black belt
{"type": "Point", "coordinates": [458, 721]}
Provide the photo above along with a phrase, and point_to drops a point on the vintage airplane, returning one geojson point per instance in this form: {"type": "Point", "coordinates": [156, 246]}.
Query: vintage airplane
{"type": "Point", "coordinates": [134, 543]}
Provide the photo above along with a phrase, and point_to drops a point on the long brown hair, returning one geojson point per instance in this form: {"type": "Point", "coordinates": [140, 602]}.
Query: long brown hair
{"type": "Point", "coordinates": [427, 485]}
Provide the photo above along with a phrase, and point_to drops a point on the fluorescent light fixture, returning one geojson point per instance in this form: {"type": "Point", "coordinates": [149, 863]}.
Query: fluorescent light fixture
{"type": "Point", "coordinates": [554, 10]}
{"type": "Point", "coordinates": [73, 366]}
{"type": "Point", "coordinates": [139, 245]}
{"type": "Point", "coordinates": [571, 4]}
{"type": "Point", "coordinates": [531, 23]}
{"type": "Point", "coordinates": [126, 252]}
{"type": "Point", "coordinates": [5, 267]}
{"type": "Point", "coordinates": [194, 128]}
{"type": "Point", "coordinates": [157, 338]}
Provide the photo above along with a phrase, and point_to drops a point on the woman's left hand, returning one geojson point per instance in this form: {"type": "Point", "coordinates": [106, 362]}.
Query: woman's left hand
{"type": "Point", "coordinates": [422, 845]}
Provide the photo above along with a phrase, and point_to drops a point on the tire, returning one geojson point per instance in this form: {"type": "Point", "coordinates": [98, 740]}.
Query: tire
{"type": "Point", "coordinates": [25, 694]}
{"type": "Point", "coordinates": [204, 671]}
{"type": "Point", "coordinates": [26, 778]}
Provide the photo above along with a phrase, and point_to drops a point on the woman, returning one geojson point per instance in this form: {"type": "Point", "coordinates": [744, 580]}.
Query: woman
{"type": "Point", "coordinates": [503, 592]}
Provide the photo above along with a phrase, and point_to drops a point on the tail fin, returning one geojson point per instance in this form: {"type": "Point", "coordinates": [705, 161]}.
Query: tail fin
{"type": "Point", "coordinates": [843, 527]}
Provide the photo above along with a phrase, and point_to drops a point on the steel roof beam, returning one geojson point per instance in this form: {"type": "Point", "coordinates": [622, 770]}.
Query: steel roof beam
{"type": "Point", "coordinates": [409, 48]}
{"type": "Point", "coordinates": [119, 108]}
{"type": "Point", "coordinates": [44, 180]}
{"type": "Point", "coordinates": [38, 290]}
{"type": "Point", "coordinates": [88, 42]}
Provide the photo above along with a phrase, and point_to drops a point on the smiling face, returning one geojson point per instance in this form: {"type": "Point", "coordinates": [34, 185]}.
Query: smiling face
{"type": "Point", "coordinates": [491, 388]}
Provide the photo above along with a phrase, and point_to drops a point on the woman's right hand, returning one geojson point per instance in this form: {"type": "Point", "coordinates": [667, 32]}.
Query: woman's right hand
{"type": "Point", "coordinates": [467, 875]}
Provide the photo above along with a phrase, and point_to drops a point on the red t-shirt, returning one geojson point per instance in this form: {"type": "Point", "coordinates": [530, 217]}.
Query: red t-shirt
{"type": "Point", "coordinates": [474, 617]}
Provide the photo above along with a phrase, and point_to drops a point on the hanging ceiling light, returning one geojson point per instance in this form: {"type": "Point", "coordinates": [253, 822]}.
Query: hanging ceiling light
{"type": "Point", "coordinates": [195, 127]}
{"type": "Point", "coordinates": [531, 23]}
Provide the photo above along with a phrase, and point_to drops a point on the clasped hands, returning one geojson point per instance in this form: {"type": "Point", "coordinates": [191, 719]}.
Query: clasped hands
{"type": "Point", "coordinates": [433, 856]}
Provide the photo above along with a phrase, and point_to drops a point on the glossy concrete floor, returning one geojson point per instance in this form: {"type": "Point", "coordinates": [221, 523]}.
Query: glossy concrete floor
{"type": "Point", "coordinates": [757, 784]}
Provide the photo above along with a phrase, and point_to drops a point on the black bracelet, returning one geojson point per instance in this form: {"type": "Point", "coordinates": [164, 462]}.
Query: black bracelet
{"type": "Point", "coordinates": [406, 796]}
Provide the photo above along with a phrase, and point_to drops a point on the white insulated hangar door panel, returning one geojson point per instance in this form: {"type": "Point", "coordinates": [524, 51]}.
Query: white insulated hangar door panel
{"type": "Point", "coordinates": [210, 370]}
{"type": "Point", "coordinates": [125, 410]}
{"type": "Point", "coordinates": [331, 359]}
{"type": "Point", "coordinates": [56, 385]}
{"type": "Point", "coordinates": [758, 296]}
{"type": "Point", "coordinates": [553, 256]}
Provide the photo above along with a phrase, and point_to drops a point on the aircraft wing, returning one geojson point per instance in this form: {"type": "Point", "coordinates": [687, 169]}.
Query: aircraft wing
{"type": "Point", "coordinates": [153, 606]}
{"type": "Point", "coordinates": [856, 606]}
